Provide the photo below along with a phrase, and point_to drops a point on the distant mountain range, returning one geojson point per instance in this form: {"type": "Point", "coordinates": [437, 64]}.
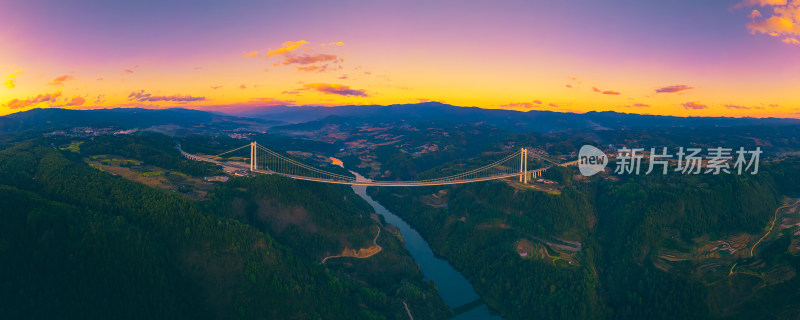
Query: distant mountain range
{"type": "Point", "coordinates": [49, 119]}
{"type": "Point", "coordinates": [534, 120]}
{"type": "Point", "coordinates": [432, 112]}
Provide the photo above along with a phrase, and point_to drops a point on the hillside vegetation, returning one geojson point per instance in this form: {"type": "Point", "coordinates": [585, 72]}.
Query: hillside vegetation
{"type": "Point", "coordinates": [80, 243]}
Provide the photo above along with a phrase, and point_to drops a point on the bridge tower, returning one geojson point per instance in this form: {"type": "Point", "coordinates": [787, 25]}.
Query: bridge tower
{"type": "Point", "coordinates": [523, 166]}
{"type": "Point", "coordinates": [253, 152]}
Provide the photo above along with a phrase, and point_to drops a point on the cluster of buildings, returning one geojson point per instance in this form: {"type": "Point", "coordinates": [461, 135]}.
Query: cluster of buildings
{"type": "Point", "coordinates": [229, 170]}
{"type": "Point", "coordinates": [241, 136]}
{"type": "Point", "coordinates": [216, 179]}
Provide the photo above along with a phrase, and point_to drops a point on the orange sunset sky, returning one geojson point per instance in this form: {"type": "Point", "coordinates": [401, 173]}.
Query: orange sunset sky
{"type": "Point", "coordinates": [686, 58]}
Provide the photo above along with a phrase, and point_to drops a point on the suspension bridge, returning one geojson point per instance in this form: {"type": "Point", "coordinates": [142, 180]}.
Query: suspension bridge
{"type": "Point", "coordinates": [265, 161]}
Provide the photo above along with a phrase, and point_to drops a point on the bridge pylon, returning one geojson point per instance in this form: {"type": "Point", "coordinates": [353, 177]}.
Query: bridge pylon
{"type": "Point", "coordinates": [253, 155]}
{"type": "Point", "coordinates": [523, 166]}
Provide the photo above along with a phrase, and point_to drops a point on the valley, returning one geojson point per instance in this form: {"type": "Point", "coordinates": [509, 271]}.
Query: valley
{"type": "Point", "coordinates": [565, 247]}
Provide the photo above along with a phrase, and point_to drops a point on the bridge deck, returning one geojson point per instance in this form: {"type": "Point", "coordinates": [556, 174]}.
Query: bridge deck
{"type": "Point", "coordinates": [400, 183]}
{"type": "Point", "coordinates": [365, 182]}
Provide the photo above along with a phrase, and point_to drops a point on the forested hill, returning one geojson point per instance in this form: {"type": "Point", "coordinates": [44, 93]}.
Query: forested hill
{"type": "Point", "coordinates": [318, 220]}
{"type": "Point", "coordinates": [76, 242]}
{"type": "Point", "coordinates": [413, 114]}
{"type": "Point", "coordinates": [643, 247]}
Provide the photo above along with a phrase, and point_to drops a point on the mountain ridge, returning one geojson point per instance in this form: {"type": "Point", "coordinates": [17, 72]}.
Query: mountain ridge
{"type": "Point", "coordinates": [59, 118]}
{"type": "Point", "coordinates": [511, 120]}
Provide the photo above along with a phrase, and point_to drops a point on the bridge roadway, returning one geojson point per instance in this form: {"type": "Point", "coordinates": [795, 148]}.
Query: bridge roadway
{"type": "Point", "coordinates": [366, 182]}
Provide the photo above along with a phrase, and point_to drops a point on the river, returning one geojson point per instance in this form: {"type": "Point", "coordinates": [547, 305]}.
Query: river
{"type": "Point", "coordinates": [453, 287]}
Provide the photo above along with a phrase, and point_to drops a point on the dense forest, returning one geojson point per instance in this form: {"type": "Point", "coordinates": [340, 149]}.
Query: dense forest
{"type": "Point", "coordinates": [469, 234]}
{"type": "Point", "coordinates": [319, 220]}
{"type": "Point", "coordinates": [80, 243]}
{"type": "Point", "coordinates": [621, 225]}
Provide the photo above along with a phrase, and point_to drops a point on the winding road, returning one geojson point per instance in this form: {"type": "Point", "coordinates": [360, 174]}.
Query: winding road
{"type": "Point", "coordinates": [374, 242]}
{"type": "Point", "coordinates": [408, 311]}
{"type": "Point", "coordinates": [770, 227]}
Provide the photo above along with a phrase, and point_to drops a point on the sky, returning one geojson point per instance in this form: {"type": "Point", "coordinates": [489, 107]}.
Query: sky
{"type": "Point", "coordinates": [738, 58]}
